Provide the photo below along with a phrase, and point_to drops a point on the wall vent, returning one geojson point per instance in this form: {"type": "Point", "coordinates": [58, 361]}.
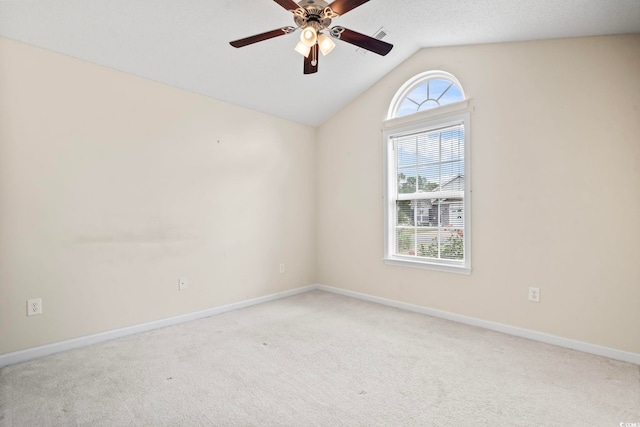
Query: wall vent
{"type": "Point", "coordinates": [380, 34]}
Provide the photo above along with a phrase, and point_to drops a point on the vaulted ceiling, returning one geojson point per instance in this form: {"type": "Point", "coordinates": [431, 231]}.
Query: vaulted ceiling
{"type": "Point", "coordinates": [186, 43]}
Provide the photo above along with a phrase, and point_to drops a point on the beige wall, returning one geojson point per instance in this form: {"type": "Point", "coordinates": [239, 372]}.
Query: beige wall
{"type": "Point", "coordinates": [112, 187]}
{"type": "Point", "coordinates": [555, 159]}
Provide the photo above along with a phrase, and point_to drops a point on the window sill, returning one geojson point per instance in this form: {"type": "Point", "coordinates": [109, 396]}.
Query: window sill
{"type": "Point", "coordinates": [428, 265]}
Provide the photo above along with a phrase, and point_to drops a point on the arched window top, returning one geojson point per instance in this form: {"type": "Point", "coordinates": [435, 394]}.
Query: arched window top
{"type": "Point", "coordinates": [425, 91]}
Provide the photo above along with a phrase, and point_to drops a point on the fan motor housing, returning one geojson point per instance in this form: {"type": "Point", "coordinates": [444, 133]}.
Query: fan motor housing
{"type": "Point", "coordinates": [314, 14]}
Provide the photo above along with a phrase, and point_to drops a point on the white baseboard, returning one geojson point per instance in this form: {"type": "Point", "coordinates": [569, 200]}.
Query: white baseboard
{"type": "Point", "coordinates": [45, 350]}
{"type": "Point", "coordinates": [584, 347]}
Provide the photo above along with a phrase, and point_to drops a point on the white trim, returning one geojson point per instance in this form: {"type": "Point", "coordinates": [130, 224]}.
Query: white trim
{"type": "Point", "coordinates": [421, 116]}
{"type": "Point", "coordinates": [427, 265]}
{"type": "Point", "coordinates": [45, 350]}
{"type": "Point", "coordinates": [57, 347]}
{"type": "Point", "coordinates": [582, 346]}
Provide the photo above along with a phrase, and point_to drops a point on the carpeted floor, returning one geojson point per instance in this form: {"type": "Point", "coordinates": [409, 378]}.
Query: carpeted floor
{"type": "Point", "coordinates": [320, 359]}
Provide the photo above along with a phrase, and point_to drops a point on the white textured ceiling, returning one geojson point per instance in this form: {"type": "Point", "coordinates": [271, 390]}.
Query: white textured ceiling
{"type": "Point", "coordinates": [186, 43]}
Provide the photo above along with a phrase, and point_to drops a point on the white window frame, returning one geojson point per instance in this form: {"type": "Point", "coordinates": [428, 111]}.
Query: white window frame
{"type": "Point", "coordinates": [414, 81]}
{"type": "Point", "coordinates": [424, 121]}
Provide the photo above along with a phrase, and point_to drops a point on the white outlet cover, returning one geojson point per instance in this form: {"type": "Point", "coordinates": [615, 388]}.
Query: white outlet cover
{"type": "Point", "coordinates": [34, 307]}
{"type": "Point", "coordinates": [182, 283]}
{"type": "Point", "coordinates": [534, 294]}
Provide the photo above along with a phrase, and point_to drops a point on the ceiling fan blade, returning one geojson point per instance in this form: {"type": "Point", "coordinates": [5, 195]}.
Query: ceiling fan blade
{"type": "Point", "coordinates": [343, 6]}
{"type": "Point", "coordinates": [361, 40]}
{"type": "Point", "coordinates": [261, 37]}
{"type": "Point", "coordinates": [288, 4]}
{"type": "Point", "coordinates": [311, 61]}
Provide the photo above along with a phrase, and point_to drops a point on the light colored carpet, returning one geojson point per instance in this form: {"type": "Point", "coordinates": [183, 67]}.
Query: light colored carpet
{"type": "Point", "coordinates": [319, 359]}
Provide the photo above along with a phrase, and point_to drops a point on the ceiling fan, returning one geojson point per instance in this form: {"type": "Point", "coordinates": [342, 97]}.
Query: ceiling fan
{"type": "Point", "coordinates": [314, 17]}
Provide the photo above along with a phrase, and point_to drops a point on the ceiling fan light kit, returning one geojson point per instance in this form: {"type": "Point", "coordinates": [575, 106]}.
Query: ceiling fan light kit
{"type": "Point", "coordinates": [313, 17]}
{"type": "Point", "coordinates": [326, 44]}
{"type": "Point", "coordinates": [309, 36]}
{"type": "Point", "coordinates": [303, 49]}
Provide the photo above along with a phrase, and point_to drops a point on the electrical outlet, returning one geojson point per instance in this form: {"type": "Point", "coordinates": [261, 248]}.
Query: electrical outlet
{"type": "Point", "coordinates": [534, 294]}
{"type": "Point", "coordinates": [34, 306]}
{"type": "Point", "coordinates": [282, 268]}
{"type": "Point", "coordinates": [182, 284]}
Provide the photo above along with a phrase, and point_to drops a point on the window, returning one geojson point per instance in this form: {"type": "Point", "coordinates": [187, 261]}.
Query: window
{"type": "Point", "coordinates": [427, 179]}
{"type": "Point", "coordinates": [425, 91]}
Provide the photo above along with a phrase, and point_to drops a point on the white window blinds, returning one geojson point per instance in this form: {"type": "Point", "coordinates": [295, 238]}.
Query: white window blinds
{"type": "Point", "coordinates": [429, 196]}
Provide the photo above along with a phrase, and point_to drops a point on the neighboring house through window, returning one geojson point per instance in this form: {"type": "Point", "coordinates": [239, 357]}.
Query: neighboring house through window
{"type": "Point", "coordinates": [427, 203]}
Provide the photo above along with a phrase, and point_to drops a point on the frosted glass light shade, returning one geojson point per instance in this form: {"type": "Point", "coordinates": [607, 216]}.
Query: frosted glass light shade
{"type": "Point", "coordinates": [309, 36]}
{"type": "Point", "coordinates": [326, 44]}
{"type": "Point", "coordinates": [303, 49]}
